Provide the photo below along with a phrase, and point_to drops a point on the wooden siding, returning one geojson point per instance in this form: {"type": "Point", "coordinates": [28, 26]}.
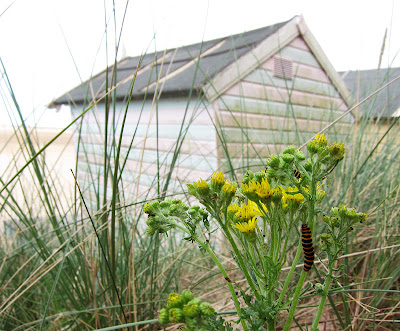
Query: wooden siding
{"type": "Point", "coordinates": [262, 113]}
{"type": "Point", "coordinates": [146, 138]}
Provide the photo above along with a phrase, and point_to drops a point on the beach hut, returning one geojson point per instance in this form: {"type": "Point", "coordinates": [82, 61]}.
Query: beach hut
{"type": "Point", "coordinates": [224, 104]}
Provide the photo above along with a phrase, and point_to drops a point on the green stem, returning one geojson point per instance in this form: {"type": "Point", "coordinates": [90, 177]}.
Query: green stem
{"type": "Point", "coordinates": [256, 272]}
{"type": "Point", "coordinates": [322, 302]}
{"type": "Point", "coordinates": [295, 300]}
{"type": "Point", "coordinates": [290, 274]}
{"type": "Point", "coordinates": [241, 263]}
{"type": "Point", "coordinates": [221, 269]}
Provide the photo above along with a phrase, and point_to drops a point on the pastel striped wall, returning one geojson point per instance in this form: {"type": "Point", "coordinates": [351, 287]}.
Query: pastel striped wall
{"type": "Point", "coordinates": [263, 113]}
{"type": "Point", "coordinates": [151, 136]}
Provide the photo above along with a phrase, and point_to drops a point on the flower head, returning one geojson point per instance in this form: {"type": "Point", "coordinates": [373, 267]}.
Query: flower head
{"type": "Point", "coordinates": [246, 227]}
{"type": "Point", "coordinates": [218, 177]}
{"type": "Point", "coordinates": [337, 150]}
{"type": "Point", "coordinates": [247, 211]}
{"type": "Point", "coordinates": [320, 138]}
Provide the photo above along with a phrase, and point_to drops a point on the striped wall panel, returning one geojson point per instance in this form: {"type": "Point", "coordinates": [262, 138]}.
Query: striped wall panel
{"type": "Point", "coordinates": [263, 113]}
{"type": "Point", "coordinates": [274, 108]}
{"type": "Point", "coordinates": [152, 141]}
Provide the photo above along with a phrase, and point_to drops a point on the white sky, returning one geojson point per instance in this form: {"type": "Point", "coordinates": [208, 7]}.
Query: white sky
{"type": "Point", "coordinates": [41, 39]}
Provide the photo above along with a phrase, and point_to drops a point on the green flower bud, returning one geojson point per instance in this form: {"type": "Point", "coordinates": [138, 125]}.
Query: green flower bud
{"type": "Point", "coordinates": [337, 151]}
{"type": "Point", "coordinates": [248, 176]}
{"type": "Point", "coordinates": [289, 150]}
{"type": "Point", "coordinates": [174, 300]}
{"type": "Point", "coordinates": [150, 230]}
{"type": "Point", "coordinates": [299, 155]}
{"type": "Point", "coordinates": [287, 158]}
{"type": "Point", "coordinates": [175, 315]}
{"type": "Point", "coordinates": [271, 173]}
{"type": "Point", "coordinates": [151, 208]}
{"type": "Point", "coordinates": [195, 301]}
{"type": "Point", "coordinates": [308, 165]}
{"type": "Point", "coordinates": [320, 196]}
{"type": "Point", "coordinates": [206, 309]}
{"type": "Point", "coordinates": [187, 296]}
{"type": "Point", "coordinates": [163, 317]}
{"type": "Point", "coordinates": [191, 310]}
{"type": "Point", "coordinates": [312, 147]}
{"type": "Point", "coordinates": [273, 161]}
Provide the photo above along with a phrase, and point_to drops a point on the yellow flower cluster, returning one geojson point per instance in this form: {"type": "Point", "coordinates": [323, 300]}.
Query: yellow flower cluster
{"type": "Point", "coordinates": [263, 189]}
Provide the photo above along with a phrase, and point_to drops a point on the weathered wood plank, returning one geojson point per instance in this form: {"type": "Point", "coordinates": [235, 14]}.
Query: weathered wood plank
{"type": "Point", "coordinates": [257, 91]}
{"type": "Point", "coordinates": [267, 78]}
{"type": "Point", "coordinates": [254, 150]}
{"type": "Point", "coordinates": [170, 111]}
{"type": "Point", "coordinates": [189, 146]}
{"type": "Point", "coordinates": [299, 55]}
{"type": "Point", "coordinates": [247, 105]}
{"type": "Point", "coordinates": [171, 131]}
{"type": "Point", "coordinates": [195, 162]}
{"type": "Point", "coordinates": [257, 121]}
{"type": "Point", "coordinates": [268, 136]}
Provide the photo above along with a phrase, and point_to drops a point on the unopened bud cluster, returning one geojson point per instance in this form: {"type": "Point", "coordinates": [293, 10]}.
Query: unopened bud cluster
{"type": "Point", "coordinates": [341, 221]}
{"type": "Point", "coordinates": [215, 194]}
{"type": "Point", "coordinates": [185, 308]}
{"type": "Point", "coordinates": [327, 155]}
{"type": "Point", "coordinates": [163, 215]}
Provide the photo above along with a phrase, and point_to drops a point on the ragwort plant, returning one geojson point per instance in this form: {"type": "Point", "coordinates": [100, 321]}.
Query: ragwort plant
{"type": "Point", "coordinates": [257, 219]}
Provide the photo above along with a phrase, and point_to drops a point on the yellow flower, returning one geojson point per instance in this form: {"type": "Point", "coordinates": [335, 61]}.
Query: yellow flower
{"type": "Point", "coordinates": [218, 177]}
{"type": "Point", "coordinates": [233, 208]}
{"type": "Point", "coordinates": [250, 187]}
{"type": "Point", "coordinates": [337, 150]}
{"type": "Point", "coordinates": [246, 227]}
{"type": "Point", "coordinates": [201, 184]}
{"type": "Point", "coordinates": [247, 211]}
{"type": "Point", "coordinates": [320, 138]}
{"type": "Point", "coordinates": [297, 197]}
{"type": "Point", "coordinates": [229, 188]}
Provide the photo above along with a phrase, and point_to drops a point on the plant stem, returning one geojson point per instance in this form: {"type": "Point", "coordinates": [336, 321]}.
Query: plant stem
{"type": "Point", "coordinates": [241, 263]}
{"type": "Point", "coordinates": [290, 274]}
{"type": "Point", "coordinates": [295, 300]}
{"type": "Point", "coordinates": [322, 302]}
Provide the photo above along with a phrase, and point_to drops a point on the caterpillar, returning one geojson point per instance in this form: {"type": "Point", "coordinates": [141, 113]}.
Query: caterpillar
{"type": "Point", "coordinates": [308, 248]}
{"type": "Point", "coordinates": [297, 174]}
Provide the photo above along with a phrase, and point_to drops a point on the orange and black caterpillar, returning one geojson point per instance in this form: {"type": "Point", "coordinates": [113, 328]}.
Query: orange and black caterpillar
{"type": "Point", "coordinates": [297, 174]}
{"type": "Point", "coordinates": [308, 248]}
